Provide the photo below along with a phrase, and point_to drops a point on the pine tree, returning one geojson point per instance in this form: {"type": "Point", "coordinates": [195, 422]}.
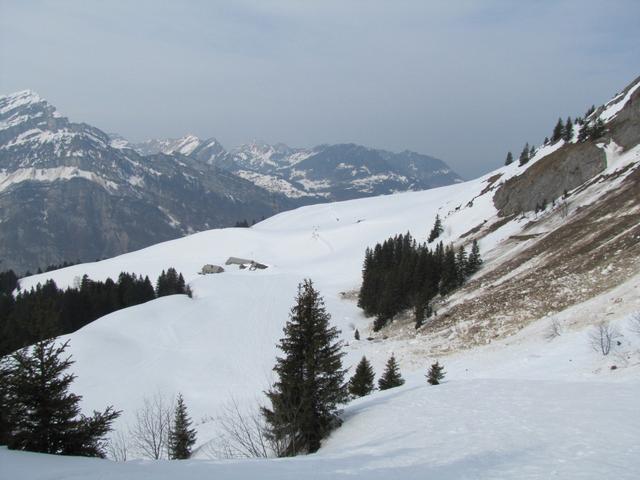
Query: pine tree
{"type": "Point", "coordinates": [461, 265]}
{"type": "Point", "coordinates": [449, 279]}
{"type": "Point", "coordinates": [435, 374]}
{"type": "Point", "coordinates": [524, 155]}
{"type": "Point", "coordinates": [585, 132]}
{"type": "Point", "coordinates": [437, 229]}
{"type": "Point", "coordinates": [557, 131]}
{"type": "Point", "coordinates": [532, 152]}
{"type": "Point", "coordinates": [598, 129]}
{"type": "Point", "coordinates": [356, 334]}
{"type": "Point", "coordinates": [310, 386]}
{"type": "Point", "coordinates": [567, 133]}
{"type": "Point", "coordinates": [181, 436]}
{"type": "Point", "coordinates": [591, 109]}
{"type": "Point", "coordinates": [420, 312]}
{"type": "Point", "coordinates": [391, 377]}
{"type": "Point", "coordinates": [45, 416]}
{"type": "Point", "coordinates": [509, 159]}
{"type": "Point", "coordinates": [361, 383]}
{"type": "Point", "coordinates": [5, 401]}
{"type": "Point", "coordinates": [475, 260]}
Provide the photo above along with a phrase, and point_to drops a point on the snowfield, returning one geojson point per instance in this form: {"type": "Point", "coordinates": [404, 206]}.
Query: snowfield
{"type": "Point", "coordinates": [522, 407]}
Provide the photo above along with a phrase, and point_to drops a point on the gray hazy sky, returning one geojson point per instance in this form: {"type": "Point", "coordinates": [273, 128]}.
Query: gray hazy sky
{"type": "Point", "coordinates": [461, 80]}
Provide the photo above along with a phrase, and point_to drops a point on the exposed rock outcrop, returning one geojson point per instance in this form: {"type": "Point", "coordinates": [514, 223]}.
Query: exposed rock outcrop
{"type": "Point", "coordinates": [548, 179]}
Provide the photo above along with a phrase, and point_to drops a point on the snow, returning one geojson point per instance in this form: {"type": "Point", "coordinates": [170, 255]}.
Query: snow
{"type": "Point", "coordinates": [186, 145]}
{"type": "Point", "coordinates": [50, 175]}
{"type": "Point", "coordinates": [18, 99]}
{"type": "Point", "coordinates": [521, 407]}
{"type": "Point", "coordinates": [614, 106]}
{"type": "Point", "coordinates": [272, 183]}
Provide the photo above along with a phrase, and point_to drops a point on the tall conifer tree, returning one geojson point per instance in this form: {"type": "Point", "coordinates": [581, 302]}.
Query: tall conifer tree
{"type": "Point", "coordinates": [437, 229]}
{"type": "Point", "coordinates": [567, 133]}
{"type": "Point", "coordinates": [310, 386]}
{"type": "Point", "coordinates": [524, 155]}
{"type": "Point", "coordinates": [558, 131]}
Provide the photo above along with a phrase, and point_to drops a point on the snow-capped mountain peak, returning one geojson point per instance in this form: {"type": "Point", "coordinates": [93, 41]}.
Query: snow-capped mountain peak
{"type": "Point", "coordinates": [18, 99]}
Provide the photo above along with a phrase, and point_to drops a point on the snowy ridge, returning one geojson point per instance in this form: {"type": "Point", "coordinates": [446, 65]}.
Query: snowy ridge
{"type": "Point", "coordinates": [17, 100]}
{"type": "Point", "coordinates": [612, 108]}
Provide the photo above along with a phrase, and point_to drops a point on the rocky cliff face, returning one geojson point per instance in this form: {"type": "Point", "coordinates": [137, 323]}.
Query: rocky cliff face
{"type": "Point", "coordinates": [548, 179]}
{"type": "Point", "coordinates": [574, 162]}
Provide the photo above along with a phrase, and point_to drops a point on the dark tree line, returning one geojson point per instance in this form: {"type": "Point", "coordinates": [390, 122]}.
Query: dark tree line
{"type": "Point", "coordinates": [400, 274]}
{"type": "Point", "coordinates": [48, 311]}
{"type": "Point", "coordinates": [590, 128]}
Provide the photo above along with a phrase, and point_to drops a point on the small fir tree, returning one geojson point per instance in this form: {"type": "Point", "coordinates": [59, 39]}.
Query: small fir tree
{"type": "Point", "coordinates": [591, 109]}
{"type": "Point", "coordinates": [598, 129]}
{"type": "Point", "coordinates": [356, 334]}
{"type": "Point", "coordinates": [509, 159]}
{"type": "Point", "coordinates": [475, 260]}
{"type": "Point", "coordinates": [461, 265]}
{"type": "Point", "coordinates": [437, 229]}
{"type": "Point", "coordinates": [310, 386]}
{"type": "Point", "coordinates": [361, 383]}
{"type": "Point", "coordinates": [391, 376]}
{"type": "Point", "coordinates": [524, 155]}
{"type": "Point", "coordinates": [532, 152]}
{"type": "Point", "coordinates": [558, 131]}
{"type": "Point", "coordinates": [181, 436]}
{"type": "Point", "coordinates": [567, 134]}
{"type": "Point", "coordinates": [45, 417]}
{"type": "Point", "coordinates": [435, 374]}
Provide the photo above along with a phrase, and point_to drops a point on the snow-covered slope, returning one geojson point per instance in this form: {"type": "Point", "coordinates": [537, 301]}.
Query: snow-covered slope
{"type": "Point", "coordinates": [517, 402]}
{"type": "Point", "coordinates": [221, 345]}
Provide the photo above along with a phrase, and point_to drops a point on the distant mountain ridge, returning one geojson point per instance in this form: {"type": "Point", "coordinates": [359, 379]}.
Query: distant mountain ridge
{"type": "Point", "coordinates": [69, 191]}
{"type": "Point", "coordinates": [324, 172]}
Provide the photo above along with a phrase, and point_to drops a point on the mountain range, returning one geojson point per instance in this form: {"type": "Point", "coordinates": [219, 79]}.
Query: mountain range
{"type": "Point", "coordinates": [71, 192]}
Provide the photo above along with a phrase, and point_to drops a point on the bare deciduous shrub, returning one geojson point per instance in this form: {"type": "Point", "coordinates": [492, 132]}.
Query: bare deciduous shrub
{"type": "Point", "coordinates": [244, 434]}
{"type": "Point", "coordinates": [150, 432]}
{"type": "Point", "coordinates": [554, 330]}
{"type": "Point", "coordinates": [635, 322]}
{"type": "Point", "coordinates": [118, 447]}
{"type": "Point", "coordinates": [602, 338]}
